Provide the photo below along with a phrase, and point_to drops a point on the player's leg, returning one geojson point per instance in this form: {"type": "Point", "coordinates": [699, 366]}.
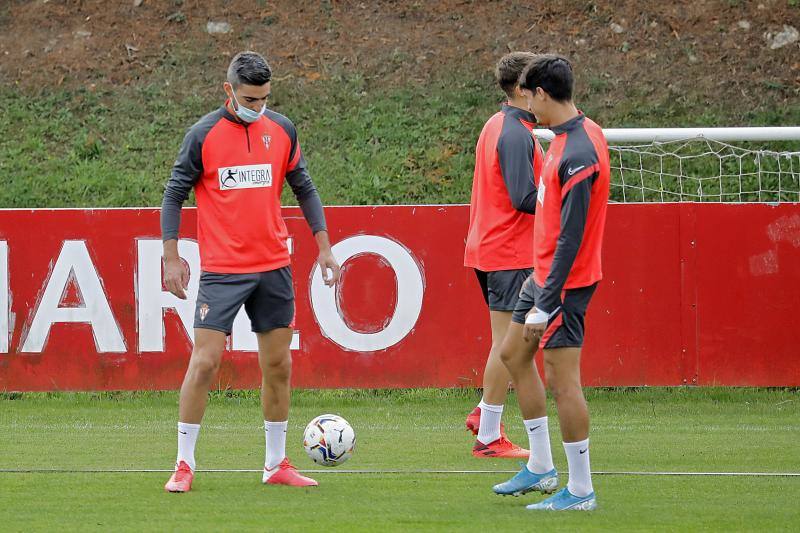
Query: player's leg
{"type": "Point", "coordinates": [500, 290]}
{"type": "Point", "coordinates": [491, 440]}
{"type": "Point", "coordinates": [474, 417]}
{"type": "Point", "coordinates": [271, 311]}
{"type": "Point", "coordinates": [275, 360]}
{"type": "Point", "coordinates": [562, 369]}
{"type": "Point", "coordinates": [485, 420]}
{"type": "Point", "coordinates": [563, 373]}
{"type": "Point", "coordinates": [219, 298]}
{"type": "Point", "coordinates": [517, 354]}
{"type": "Point", "coordinates": [203, 367]}
{"type": "Point", "coordinates": [562, 365]}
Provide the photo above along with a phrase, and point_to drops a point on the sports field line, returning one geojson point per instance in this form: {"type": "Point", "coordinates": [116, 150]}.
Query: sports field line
{"type": "Point", "coordinates": [340, 471]}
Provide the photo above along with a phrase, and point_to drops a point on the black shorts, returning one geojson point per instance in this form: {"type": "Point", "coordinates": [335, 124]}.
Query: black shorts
{"type": "Point", "coordinates": [501, 288]}
{"type": "Point", "coordinates": [565, 329]}
{"type": "Point", "coordinates": [268, 298]}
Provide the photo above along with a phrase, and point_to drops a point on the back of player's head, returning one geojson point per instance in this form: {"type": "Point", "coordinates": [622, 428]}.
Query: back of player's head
{"type": "Point", "coordinates": [509, 68]}
{"type": "Point", "coordinates": [552, 73]}
{"type": "Point", "coordinates": [248, 68]}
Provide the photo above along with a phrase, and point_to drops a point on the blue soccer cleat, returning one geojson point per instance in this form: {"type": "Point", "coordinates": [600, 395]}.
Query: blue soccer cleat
{"type": "Point", "coordinates": [526, 481]}
{"type": "Point", "coordinates": [564, 500]}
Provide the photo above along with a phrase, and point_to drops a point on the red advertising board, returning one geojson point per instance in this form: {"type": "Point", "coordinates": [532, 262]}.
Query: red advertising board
{"type": "Point", "coordinates": [693, 294]}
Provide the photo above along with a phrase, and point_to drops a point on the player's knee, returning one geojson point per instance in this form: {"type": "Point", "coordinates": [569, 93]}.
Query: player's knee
{"type": "Point", "coordinates": [204, 368]}
{"type": "Point", "coordinates": [510, 358]}
{"type": "Point", "coordinates": [564, 390]}
{"type": "Point", "coordinates": [278, 369]}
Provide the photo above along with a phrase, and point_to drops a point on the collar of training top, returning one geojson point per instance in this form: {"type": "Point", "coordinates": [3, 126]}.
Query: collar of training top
{"type": "Point", "coordinates": [571, 124]}
{"type": "Point", "coordinates": [516, 112]}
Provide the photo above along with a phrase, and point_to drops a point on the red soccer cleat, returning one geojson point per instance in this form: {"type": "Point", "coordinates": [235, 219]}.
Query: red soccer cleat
{"type": "Point", "coordinates": [502, 448]}
{"type": "Point", "coordinates": [474, 422]}
{"type": "Point", "coordinates": [286, 474]}
{"type": "Point", "coordinates": [181, 480]}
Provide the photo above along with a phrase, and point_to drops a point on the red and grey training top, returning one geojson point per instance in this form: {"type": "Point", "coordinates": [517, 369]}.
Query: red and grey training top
{"type": "Point", "coordinates": [238, 171]}
{"type": "Point", "coordinates": [571, 213]}
{"type": "Point", "coordinates": [507, 157]}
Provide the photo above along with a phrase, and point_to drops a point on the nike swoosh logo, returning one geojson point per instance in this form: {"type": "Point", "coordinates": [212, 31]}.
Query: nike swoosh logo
{"type": "Point", "coordinates": [572, 171]}
{"type": "Point", "coordinates": [182, 432]}
{"type": "Point", "coordinates": [583, 451]}
{"type": "Point", "coordinates": [534, 429]}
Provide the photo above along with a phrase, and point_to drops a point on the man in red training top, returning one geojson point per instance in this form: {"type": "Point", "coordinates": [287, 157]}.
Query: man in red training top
{"type": "Point", "coordinates": [572, 198]}
{"type": "Point", "coordinates": [499, 245]}
{"type": "Point", "coordinates": [237, 158]}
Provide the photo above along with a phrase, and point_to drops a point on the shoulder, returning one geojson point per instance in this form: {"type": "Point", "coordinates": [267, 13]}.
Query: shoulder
{"type": "Point", "coordinates": [282, 121]}
{"type": "Point", "coordinates": [493, 124]}
{"type": "Point", "coordinates": [579, 150]}
{"type": "Point", "coordinates": [199, 130]}
{"type": "Point", "coordinates": [514, 134]}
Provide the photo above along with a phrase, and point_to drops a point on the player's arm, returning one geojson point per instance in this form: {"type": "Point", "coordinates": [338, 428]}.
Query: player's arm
{"type": "Point", "coordinates": [185, 172]}
{"type": "Point", "coordinates": [311, 206]}
{"type": "Point", "coordinates": [515, 155]}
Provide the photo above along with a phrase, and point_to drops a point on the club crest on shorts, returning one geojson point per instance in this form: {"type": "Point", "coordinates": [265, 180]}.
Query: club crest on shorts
{"type": "Point", "coordinates": [266, 139]}
{"type": "Point", "coordinates": [203, 312]}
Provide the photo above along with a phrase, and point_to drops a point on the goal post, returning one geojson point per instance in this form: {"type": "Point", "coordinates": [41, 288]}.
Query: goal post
{"type": "Point", "coordinates": [753, 164]}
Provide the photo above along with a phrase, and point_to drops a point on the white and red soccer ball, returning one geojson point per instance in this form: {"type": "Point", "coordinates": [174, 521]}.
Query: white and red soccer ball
{"type": "Point", "coordinates": [329, 440]}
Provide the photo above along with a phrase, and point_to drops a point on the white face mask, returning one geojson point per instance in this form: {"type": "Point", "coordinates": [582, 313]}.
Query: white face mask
{"type": "Point", "coordinates": [245, 113]}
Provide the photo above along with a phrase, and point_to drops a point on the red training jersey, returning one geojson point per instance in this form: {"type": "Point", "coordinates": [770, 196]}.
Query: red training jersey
{"type": "Point", "coordinates": [571, 211]}
{"type": "Point", "coordinates": [238, 172]}
{"type": "Point", "coordinates": [508, 160]}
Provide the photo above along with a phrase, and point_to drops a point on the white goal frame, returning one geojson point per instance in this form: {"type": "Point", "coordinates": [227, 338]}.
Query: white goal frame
{"type": "Point", "coordinates": [635, 135]}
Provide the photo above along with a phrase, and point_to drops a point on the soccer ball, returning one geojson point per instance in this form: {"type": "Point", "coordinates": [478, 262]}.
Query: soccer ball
{"type": "Point", "coordinates": [329, 440]}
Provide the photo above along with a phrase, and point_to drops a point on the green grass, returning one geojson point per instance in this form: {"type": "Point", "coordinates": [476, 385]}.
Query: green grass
{"type": "Point", "coordinates": [365, 144]}
{"type": "Point", "coordinates": [632, 430]}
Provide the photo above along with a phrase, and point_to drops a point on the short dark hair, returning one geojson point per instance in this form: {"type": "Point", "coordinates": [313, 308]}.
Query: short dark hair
{"type": "Point", "coordinates": [552, 73]}
{"type": "Point", "coordinates": [509, 68]}
{"type": "Point", "coordinates": [248, 68]}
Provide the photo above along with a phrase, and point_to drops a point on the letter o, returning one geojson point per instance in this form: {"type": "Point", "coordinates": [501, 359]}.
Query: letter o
{"type": "Point", "coordinates": [410, 289]}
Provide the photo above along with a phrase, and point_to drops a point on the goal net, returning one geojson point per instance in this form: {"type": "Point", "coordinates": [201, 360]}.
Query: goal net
{"type": "Point", "coordinates": [705, 165]}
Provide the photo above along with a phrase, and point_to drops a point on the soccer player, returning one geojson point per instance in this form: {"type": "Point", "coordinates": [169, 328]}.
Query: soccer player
{"type": "Point", "coordinates": [499, 242]}
{"type": "Point", "coordinates": [237, 159]}
{"type": "Point", "coordinates": [570, 217]}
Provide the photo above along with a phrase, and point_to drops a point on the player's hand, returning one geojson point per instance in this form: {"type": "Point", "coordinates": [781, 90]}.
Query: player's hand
{"type": "Point", "coordinates": [176, 277]}
{"type": "Point", "coordinates": [330, 268]}
{"type": "Point", "coordinates": [535, 325]}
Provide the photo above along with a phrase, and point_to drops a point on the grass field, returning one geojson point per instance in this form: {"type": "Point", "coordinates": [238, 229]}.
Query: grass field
{"type": "Point", "coordinates": [401, 145]}
{"type": "Point", "coordinates": [651, 430]}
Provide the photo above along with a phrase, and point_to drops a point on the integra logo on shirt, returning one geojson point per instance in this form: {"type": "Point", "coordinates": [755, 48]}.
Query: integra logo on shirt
{"type": "Point", "coordinates": [245, 177]}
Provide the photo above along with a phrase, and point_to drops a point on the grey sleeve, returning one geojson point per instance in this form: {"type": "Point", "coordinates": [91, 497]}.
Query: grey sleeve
{"type": "Point", "coordinates": [515, 155]}
{"type": "Point", "coordinates": [307, 196]}
{"type": "Point", "coordinates": [186, 171]}
{"type": "Point", "coordinates": [574, 212]}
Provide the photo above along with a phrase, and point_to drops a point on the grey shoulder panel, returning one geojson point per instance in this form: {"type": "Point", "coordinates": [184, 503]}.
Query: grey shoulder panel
{"type": "Point", "coordinates": [515, 152]}
{"type": "Point", "coordinates": [186, 171]}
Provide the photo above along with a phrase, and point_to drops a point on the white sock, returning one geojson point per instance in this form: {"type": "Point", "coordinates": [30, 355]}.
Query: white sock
{"type": "Point", "coordinates": [187, 438]}
{"type": "Point", "coordinates": [580, 475]}
{"type": "Point", "coordinates": [489, 430]}
{"type": "Point", "coordinates": [541, 459]}
{"type": "Point", "coordinates": [275, 434]}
